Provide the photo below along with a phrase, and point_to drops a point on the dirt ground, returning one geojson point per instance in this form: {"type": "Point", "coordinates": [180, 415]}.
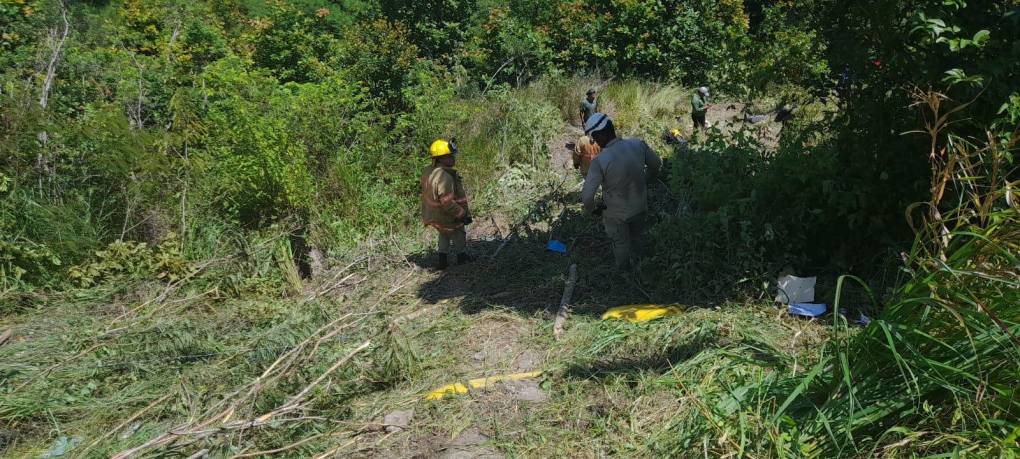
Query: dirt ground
{"type": "Point", "coordinates": [561, 158]}
{"type": "Point", "coordinates": [730, 117]}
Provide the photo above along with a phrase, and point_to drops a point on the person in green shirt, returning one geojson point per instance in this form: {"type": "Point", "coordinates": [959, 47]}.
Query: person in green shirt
{"type": "Point", "coordinates": [699, 107]}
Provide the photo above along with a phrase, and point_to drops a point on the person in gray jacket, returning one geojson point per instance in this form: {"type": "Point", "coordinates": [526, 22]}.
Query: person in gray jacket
{"type": "Point", "coordinates": [622, 169]}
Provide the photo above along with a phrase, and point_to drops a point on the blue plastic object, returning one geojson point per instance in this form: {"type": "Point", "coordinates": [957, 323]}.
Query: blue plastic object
{"type": "Point", "coordinates": [556, 246]}
{"type": "Point", "coordinates": [807, 309]}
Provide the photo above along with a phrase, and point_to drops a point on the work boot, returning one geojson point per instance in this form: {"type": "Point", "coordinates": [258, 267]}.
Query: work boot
{"type": "Point", "coordinates": [464, 258]}
{"type": "Point", "coordinates": [442, 261]}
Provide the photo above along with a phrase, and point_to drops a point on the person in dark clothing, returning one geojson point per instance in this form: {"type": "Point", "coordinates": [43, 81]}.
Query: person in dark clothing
{"type": "Point", "coordinates": [588, 106]}
{"type": "Point", "coordinates": [699, 108]}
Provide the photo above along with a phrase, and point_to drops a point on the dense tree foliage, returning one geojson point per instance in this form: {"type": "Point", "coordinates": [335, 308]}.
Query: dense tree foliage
{"type": "Point", "coordinates": [260, 111]}
{"type": "Point", "coordinates": [267, 111]}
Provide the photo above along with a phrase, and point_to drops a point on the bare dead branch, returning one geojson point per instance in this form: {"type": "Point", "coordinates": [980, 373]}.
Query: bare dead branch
{"type": "Point", "coordinates": [209, 427]}
{"type": "Point", "coordinates": [56, 42]}
{"type": "Point", "coordinates": [568, 291]}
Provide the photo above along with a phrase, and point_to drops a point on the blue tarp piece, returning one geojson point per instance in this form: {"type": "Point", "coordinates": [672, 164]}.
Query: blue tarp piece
{"type": "Point", "coordinates": [807, 309]}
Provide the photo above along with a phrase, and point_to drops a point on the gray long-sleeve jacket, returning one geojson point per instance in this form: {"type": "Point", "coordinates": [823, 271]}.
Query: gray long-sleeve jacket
{"type": "Point", "coordinates": [620, 170]}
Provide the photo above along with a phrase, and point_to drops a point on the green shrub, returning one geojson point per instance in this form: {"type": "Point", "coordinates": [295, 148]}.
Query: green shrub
{"type": "Point", "coordinates": [23, 263]}
{"type": "Point", "coordinates": [378, 55]}
{"type": "Point", "coordinates": [942, 355]}
{"type": "Point", "coordinates": [437, 27]}
{"type": "Point", "coordinates": [132, 259]}
{"type": "Point", "coordinates": [727, 234]}
{"type": "Point", "coordinates": [38, 235]}
{"type": "Point", "coordinates": [20, 23]}
{"type": "Point", "coordinates": [507, 48]}
{"type": "Point", "coordinates": [291, 43]}
{"type": "Point", "coordinates": [255, 170]}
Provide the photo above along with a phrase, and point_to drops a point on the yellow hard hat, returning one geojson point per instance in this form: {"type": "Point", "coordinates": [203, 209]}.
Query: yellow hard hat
{"type": "Point", "coordinates": [675, 132]}
{"type": "Point", "coordinates": [441, 147]}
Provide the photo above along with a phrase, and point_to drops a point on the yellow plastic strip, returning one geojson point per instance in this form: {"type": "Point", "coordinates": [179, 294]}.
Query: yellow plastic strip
{"type": "Point", "coordinates": [482, 383]}
{"type": "Point", "coordinates": [478, 383]}
{"type": "Point", "coordinates": [449, 389]}
{"type": "Point", "coordinates": [642, 312]}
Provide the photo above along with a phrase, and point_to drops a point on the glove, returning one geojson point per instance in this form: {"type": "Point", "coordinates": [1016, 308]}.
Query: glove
{"type": "Point", "coordinates": [467, 220]}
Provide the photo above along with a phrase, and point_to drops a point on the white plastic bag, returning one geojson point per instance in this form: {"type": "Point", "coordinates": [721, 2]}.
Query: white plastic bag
{"type": "Point", "coordinates": [792, 289]}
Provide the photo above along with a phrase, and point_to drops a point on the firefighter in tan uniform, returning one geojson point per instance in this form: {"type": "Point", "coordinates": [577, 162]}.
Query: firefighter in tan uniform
{"type": "Point", "coordinates": [585, 151]}
{"type": "Point", "coordinates": [444, 204]}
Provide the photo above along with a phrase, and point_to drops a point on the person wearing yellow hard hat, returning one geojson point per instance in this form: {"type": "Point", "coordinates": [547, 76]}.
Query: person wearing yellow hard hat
{"type": "Point", "coordinates": [675, 137]}
{"type": "Point", "coordinates": [444, 204]}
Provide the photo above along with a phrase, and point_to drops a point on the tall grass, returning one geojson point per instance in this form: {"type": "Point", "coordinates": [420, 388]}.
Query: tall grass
{"type": "Point", "coordinates": [637, 107]}
{"type": "Point", "coordinates": [939, 370]}
{"type": "Point", "coordinates": [565, 93]}
{"type": "Point", "coordinates": [634, 104]}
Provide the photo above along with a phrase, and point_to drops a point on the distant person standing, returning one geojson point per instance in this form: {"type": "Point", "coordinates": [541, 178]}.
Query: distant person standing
{"type": "Point", "coordinates": [588, 106]}
{"type": "Point", "coordinates": [622, 169]}
{"type": "Point", "coordinates": [699, 108]}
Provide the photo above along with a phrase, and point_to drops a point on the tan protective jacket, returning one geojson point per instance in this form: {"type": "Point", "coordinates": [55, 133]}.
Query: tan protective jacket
{"type": "Point", "coordinates": [585, 151]}
{"type": "Point", "coordinates": [444, 203]}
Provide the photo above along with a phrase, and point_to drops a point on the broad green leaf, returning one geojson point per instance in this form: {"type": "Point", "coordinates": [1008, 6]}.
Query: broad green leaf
{"type": "Point", "coordinates": [981, 37]}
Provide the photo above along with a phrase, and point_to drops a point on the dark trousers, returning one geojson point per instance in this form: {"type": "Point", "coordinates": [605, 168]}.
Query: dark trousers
{"type": "Point", "coordinates": [457, 239]}
{"type": "Point", "coordinates": [627, 236]}
{"type": "Point", "coordinates": [699, 121]}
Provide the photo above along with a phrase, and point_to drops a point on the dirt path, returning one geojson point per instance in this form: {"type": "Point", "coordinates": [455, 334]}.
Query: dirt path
{"type": "Point", "coordinates": [504, 332]}
{"type": "Point", "coordinates": [560, 155]}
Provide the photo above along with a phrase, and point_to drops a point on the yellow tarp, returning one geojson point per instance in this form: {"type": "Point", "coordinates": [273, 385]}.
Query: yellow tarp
{"type": "Point", "coordinates": [642, 312]}
{"type": "Point", "coordinates": [478, 383]}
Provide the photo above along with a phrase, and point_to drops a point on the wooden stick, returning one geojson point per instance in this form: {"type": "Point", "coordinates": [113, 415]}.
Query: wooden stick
{"type": "Point", "coordinates": [513, 231]}
{"type": "Point", "coordinates": [568, 291]}
{"type": "Point", "coordinates": [56, 46]}
{"type": "Point", "coordinates": [499, 231]}
{"type": "Point", "coordinates": [337, 449]}
{"type": "Point", "coordinates": [293, 402]}
{"type": "Point", "coordinates": [54, 367]}
{"type": "Point", "coordinates": [517, 226]}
